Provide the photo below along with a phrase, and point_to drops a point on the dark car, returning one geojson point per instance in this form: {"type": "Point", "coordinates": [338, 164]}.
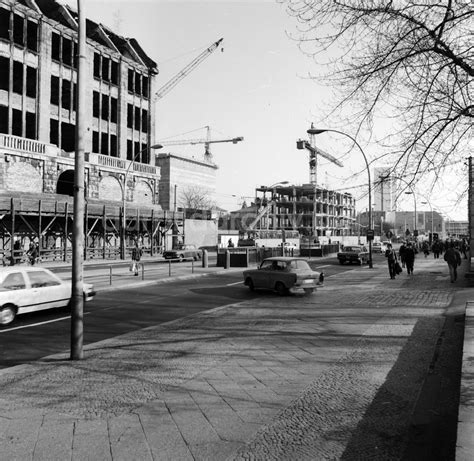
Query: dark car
{"type": "Point", "coordinates": [182, 252]}
{"type": "Point", "coordinates": [353, 254]}
{"type": "Point", "coordinates": [283, 275]}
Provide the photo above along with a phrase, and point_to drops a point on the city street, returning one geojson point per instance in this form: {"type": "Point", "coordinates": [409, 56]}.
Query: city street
{"type": "Point", "coordinates": [367, 367]}
{"type": "Point", "coordinates": [115, 312]}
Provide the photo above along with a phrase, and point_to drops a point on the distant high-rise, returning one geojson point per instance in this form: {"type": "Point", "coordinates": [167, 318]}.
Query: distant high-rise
{"type": "Point", "coordinates": [384, 189]}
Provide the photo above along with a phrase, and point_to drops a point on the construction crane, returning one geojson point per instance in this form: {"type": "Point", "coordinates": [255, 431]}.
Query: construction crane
{"type": "Point", "coordinates": [313, 153]}
{"type": "Point", "coordinates": [207, 142]}
{"type": "Point", "coordinates": [168, 86]}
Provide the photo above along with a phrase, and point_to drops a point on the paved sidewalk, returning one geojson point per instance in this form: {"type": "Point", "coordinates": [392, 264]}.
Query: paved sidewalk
{"type": "Point", "coordinates": [335, 375]}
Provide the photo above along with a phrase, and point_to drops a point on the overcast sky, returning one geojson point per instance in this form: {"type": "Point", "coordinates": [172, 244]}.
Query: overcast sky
{"type": "Point", "coordinates": [257, 87]}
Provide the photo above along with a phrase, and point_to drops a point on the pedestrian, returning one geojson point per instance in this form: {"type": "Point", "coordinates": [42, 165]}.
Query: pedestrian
{"type": "Point", "coordinates": [426, 248]}
{"type": "Point", "coordinates": [32, 253]}
{"type": "Point", "coordinates": [230, 244]}
{"type": "Point", "coordinates": [17, 252]}
{"type": "Point", "coordinates": [453, 258]}
{"type": "Point", "coordinates": [409, 258]}
{"type": "Point", "coordinates": [136, 256]}
{"type": "Point", "coordinates": [401, 252]}
{"type": "Point", "coordinates": [391, 259]}
{"type": "Point", "coordinates": [464, 248]}
{"type": "Point", "coordinates": [436, 247]}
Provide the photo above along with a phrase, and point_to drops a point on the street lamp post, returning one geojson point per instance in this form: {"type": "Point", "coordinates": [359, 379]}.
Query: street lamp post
{"type": "Point", "coordinates": [77, 300]}
{"type": "Point", "coordinates": [415, 217]}
{"type": "Point", "coordinates": [431, 208]}
{"type": "Point", "coordinates": [315, 131]}
{"type": "Point", "coordinates": [123, 234]}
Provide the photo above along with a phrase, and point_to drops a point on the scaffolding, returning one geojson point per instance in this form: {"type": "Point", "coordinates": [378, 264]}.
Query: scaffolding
{"type": "Point", "coordinates": [46, 221]}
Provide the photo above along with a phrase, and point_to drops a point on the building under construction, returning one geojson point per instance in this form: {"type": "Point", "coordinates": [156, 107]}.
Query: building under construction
{"type": "Point", "coordinates": [310, 210]}
{"type": "Point", "coordinates": [38, 75]}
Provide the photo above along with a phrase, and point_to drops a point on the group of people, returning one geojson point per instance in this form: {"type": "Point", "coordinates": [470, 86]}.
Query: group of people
{"type": "Point", "coordinates": [408, 251]}
{"type": "Point", "coordinates": [19, 255]}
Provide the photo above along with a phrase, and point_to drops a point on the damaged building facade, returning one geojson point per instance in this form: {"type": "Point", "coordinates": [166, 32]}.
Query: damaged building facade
{"type": "Point", "coordinates": [38, 75]}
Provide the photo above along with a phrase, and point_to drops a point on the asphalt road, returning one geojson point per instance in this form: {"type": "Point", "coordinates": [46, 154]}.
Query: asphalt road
{"type": "Point", "coordinates": [120, 311]}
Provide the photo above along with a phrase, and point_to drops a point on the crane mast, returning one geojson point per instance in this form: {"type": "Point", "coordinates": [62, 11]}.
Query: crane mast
{"type": "Point", "coordinates": [168, 86]}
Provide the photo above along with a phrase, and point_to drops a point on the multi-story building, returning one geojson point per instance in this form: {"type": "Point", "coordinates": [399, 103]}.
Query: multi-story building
{"type": "Point", "coordinates": [384, 190]}
{"type": "Point", "coordinates": [457, 229]}
{"type": "Point", "coordinates": [308, 209]}
{"type": "Point", "coordinates": [403, 223]}
{"type": "Point", "coordinates": [38, 75]}
{"type": "Point", "coordinates": [186, 182]}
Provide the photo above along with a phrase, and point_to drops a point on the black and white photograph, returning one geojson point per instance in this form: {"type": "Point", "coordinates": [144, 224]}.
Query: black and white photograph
{"type": "Point", "coordinates": [236, 230]}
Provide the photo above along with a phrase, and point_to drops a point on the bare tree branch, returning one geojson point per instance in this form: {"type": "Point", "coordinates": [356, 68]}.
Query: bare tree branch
{"type": "Point", "coordinates": [410, 62]}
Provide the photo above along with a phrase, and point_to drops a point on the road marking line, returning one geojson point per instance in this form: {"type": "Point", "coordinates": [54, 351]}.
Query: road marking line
{"type": "Point", "coordinates": [39, 323]}
{"type": "Point", "coordinates": [235, 283]}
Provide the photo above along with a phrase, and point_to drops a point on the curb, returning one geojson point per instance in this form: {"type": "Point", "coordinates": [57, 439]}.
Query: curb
{"type": "Point", "coordinates": [169, 279]}
{"type": "Point", "coordinates": [465, 430]}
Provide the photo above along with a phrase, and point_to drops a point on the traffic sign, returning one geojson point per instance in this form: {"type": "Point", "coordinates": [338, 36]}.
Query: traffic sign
{"type": "Point", "coordinates": [370, 234]}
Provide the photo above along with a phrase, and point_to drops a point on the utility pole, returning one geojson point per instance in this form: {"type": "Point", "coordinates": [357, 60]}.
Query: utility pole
{"type": "Point", "coordinates": [77, 299]}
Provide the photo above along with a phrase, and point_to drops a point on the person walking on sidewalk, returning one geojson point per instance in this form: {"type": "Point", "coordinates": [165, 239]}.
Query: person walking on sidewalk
{"type": "Point", "coordinates": [401, 252]}
{"type": "Point", "coordinates": [136, 256]}
{"type": "Point", "coordinates": [453, 258]}
{"type": "Point", "coordinates": [391, 259]}
{"type": "Point", "coordinates": [409, 258]}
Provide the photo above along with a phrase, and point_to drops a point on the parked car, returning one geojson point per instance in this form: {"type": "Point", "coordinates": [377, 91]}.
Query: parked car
{"type": "Point", "coordinates": [182, 252]}
{"type": "Point", "coordinates": [27, 289]}
{"type": "Point", "coordinates": [283, 274]}
{"type": "Point", "coordinates": [353, 254]}
{"type": "Point", "coordinates": [376, 247]}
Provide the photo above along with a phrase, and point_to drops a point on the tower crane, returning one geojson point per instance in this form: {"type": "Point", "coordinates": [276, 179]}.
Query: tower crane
{"type": "Point", "coordinates": [313, 153]}
{"type": "Point", "coordinates": [207, 142]}
{"type": "Point", "coordinates": [168, 86]}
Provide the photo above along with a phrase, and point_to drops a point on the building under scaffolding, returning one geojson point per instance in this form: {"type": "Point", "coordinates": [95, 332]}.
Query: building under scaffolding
{"type": "Point", "coordinates": [38, 58]}
{"type": "Point", "coordinates": [47, 221]}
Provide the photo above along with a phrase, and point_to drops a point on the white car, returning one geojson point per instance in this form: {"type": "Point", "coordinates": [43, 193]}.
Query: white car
{"type": "Point", "coordinates": [27, 289]}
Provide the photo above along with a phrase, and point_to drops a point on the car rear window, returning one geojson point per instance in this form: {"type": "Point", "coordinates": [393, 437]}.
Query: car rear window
{"type": "Point", "coordinates": [13, 281]}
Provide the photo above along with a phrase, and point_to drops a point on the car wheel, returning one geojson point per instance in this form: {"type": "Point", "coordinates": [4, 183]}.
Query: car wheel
{"type": "Point", "coordinates": [7, 314]}
{"type": "Point", "coordinates": [249, 283]}
{"type": "Point", "coordinates": [281, 289]}
{"type": "Point", "coordinates": [308, 291]}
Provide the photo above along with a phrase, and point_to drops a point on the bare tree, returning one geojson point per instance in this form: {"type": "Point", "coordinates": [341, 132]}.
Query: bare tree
{"type": "Point", "coordinates": [196, 197]}
{"type": "Point", "coordinates": [409, 62]}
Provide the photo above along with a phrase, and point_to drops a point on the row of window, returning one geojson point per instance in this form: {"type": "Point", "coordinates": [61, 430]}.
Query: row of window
{"type": "Point", "coordinates": [63, 93]}
{"type": "Point", "coordinates": [64, 50]}
{"type": "Point", "coordinates": [106, 69]}
{"type": "Point", "coordinates": [104, 144]}
{"type": "Point", "coordinates": [22, 32]}
{"type": "Point", "coordinates": [20, 126]}
{"type": "Point", "coordinates": [137, 152]}
{"type": "Point", "coordinates": [105, 107]}
{"type": "Point", "coordinates": [18, 72]}
{"type": "Point", "coordinates": [137, 118]}
{"type": "Point", "coordinates": [62, 135]}
{"type": "Point", "coordinates": [138, 83]}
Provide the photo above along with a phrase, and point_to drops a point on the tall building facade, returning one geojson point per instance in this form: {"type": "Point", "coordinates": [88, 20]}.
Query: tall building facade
{"type": "Point", "coordinates": [38, 77]}
{"type": "Point", "coordinates": [384, 190]}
